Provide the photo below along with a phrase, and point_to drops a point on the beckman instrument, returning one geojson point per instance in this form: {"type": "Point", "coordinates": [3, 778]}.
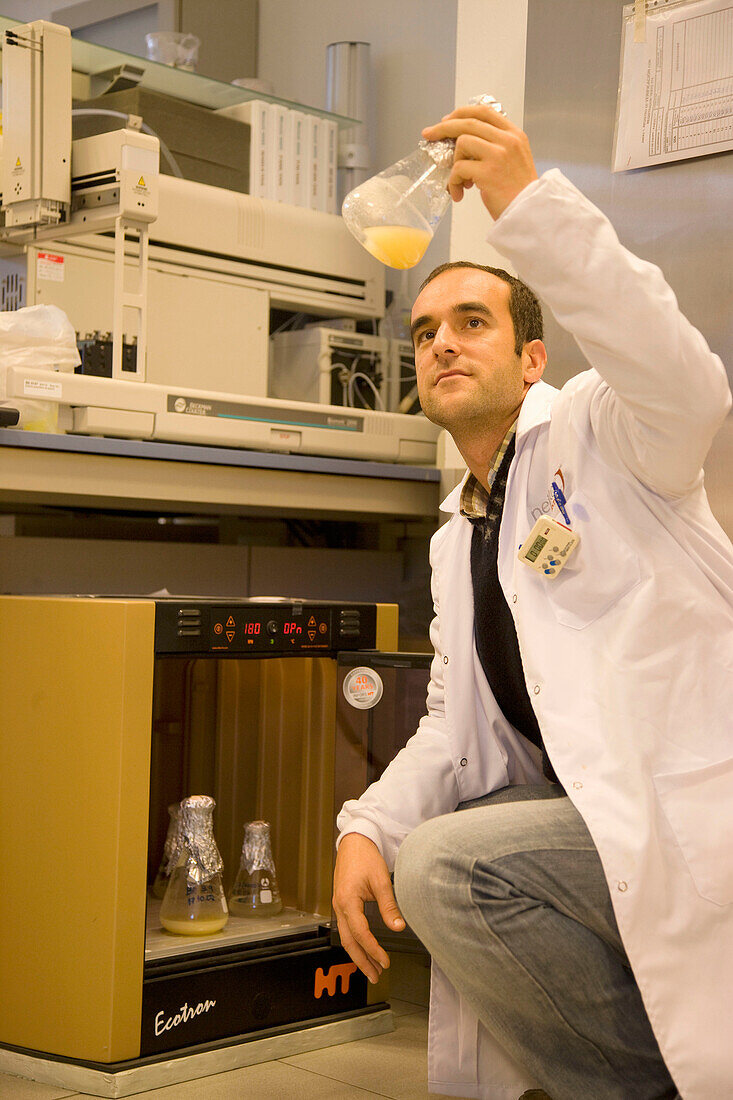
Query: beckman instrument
{"type": "Point", "coordinates": [210, 265]}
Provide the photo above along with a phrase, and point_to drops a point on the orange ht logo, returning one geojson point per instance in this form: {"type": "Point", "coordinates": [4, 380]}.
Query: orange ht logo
{"type": "Point", "coordinates": [328, 981]}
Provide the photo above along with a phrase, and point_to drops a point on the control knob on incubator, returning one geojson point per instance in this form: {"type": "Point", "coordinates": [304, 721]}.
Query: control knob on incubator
{"type": "Point", "coordinates": [194, 903]}
{"type": "Point", "coordinates": [395, 213]}
{"type": "Point", "coordinates": [255, 892]}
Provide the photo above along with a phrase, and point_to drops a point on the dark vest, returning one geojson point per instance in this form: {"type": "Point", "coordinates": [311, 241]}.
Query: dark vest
{"type": "Point", "coordinates": [494, 632]}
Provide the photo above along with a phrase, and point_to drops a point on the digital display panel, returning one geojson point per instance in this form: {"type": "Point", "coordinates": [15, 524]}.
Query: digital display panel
{"type": "Point", "coordinates": [272, 630]}
{"type": "Point", "coordinates": [259, 628]}
{"type": "Point", "coordinates": [535, 548]}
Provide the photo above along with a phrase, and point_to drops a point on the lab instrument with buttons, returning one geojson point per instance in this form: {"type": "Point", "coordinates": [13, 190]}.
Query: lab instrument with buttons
{"type": "Point", "coordinates": [244, 627]}
{"type": "Point", "coordinates": [138, 703]}
{"type": "Point", "coordinates": [548, 546]}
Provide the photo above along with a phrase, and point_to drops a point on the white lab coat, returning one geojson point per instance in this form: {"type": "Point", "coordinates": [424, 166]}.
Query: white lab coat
{"type": "Point", "coordinates": [628, 653]}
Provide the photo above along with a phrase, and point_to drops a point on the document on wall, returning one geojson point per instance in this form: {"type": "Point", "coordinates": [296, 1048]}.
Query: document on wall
{"type": "Point", "coordinates": [675, 97]}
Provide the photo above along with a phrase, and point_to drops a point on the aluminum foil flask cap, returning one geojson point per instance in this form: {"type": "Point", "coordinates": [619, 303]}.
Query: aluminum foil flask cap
{"type": "Point", "coordinates": [255, 892]}
{"type": "Point", "coordinates": [394, 214]}
{"type": "Point", "coordinates": [196, 836]}
{"type": "Point", "coordinates": [194, 902]}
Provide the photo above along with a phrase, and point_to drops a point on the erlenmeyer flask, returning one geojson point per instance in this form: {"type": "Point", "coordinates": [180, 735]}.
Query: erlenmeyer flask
{"type": "Point", "coordinates": [394, 214]}
{"type": "Point", "coordinates": [194, 902]}
{"type": "Point", "coordinates": [161, 879]}
{"type": "Point", "coordinates": [255, 892]}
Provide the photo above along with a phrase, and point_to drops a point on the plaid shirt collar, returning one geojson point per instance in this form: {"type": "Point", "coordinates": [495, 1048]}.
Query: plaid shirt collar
{"type": "Point", "coordinates": [474, 498]}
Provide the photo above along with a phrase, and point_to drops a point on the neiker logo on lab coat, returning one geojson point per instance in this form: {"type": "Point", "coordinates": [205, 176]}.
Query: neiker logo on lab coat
{"type": "Point", "coordinates": [548, 504]}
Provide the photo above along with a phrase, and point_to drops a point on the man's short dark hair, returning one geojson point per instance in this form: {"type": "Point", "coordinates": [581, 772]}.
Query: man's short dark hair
{"type": "Point", "coordinates": [524, 308]}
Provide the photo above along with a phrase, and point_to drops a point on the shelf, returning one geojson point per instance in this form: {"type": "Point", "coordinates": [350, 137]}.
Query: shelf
{"type": "Point", "coordinates": [44, 470]}
{"type": "Point", "coordinates": [90, 59]}
{"type": "Point", "coordinates": [160, 944]}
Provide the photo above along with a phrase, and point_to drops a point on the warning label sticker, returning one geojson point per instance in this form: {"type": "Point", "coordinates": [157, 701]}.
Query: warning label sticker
{"type": "Point", "coordinates": [50, 266]}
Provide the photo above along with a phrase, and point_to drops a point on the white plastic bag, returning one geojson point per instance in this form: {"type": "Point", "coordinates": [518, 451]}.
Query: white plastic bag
{"type": "Point", "coordinates": [41, 337]}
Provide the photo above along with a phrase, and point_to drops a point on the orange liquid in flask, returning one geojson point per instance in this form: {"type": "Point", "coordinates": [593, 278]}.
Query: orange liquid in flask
{"type": "Point", "coordinates": [397, 245]}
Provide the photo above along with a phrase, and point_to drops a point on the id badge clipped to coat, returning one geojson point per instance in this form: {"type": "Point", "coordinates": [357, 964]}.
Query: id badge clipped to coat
{"type": "Point", "coordinates": [550, 542]}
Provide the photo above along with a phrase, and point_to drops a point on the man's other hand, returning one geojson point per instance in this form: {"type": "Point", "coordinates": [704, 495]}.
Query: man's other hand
{"type": "Point", "coordinates": [491, 152]}
{"type": "Point", "coordinates": [361, 875]}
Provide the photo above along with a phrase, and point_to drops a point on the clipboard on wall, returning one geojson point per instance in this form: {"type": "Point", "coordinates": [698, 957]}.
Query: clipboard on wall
{"type": "Point", "coordinates": [675, 93]}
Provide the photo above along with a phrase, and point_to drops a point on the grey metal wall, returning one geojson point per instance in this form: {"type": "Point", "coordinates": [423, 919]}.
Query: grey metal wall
{"type": "Point", "coordinates": [676, 215]}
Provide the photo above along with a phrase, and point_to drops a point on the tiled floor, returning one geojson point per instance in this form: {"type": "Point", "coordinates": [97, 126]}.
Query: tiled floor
{"type": "Point", "coordinates": [392, 1065]}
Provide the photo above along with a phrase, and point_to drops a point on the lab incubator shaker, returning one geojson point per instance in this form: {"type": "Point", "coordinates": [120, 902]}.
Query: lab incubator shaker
{"type": "Point", "coordinates": [114, 709]}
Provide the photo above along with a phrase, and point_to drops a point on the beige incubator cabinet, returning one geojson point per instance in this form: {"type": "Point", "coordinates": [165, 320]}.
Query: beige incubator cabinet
{"type": "Point", "coordinates": [112, 711]}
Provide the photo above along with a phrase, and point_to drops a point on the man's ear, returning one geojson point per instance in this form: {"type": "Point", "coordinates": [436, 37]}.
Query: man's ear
{"type": "Point", "coordinates": [534, 361]}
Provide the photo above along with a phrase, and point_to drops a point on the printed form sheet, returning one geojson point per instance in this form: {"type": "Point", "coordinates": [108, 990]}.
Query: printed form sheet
{"type": "Point", "coordinates": [676, 86]}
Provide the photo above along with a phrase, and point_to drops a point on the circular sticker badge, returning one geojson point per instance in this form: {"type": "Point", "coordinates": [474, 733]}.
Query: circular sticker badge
{"type": "Point", "coordinates": [363, 688]}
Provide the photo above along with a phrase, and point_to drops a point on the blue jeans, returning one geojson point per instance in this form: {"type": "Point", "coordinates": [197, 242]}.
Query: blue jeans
{"type": "Point", "coordinates": [510, 899]}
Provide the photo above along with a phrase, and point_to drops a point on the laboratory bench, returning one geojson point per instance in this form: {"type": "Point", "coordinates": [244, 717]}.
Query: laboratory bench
{"type": "Point", "coordinates": [74, 471]}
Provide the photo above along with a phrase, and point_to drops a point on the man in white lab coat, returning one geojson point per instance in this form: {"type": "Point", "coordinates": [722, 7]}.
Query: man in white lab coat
{"type": "Point", "coordinates": [580, 912]}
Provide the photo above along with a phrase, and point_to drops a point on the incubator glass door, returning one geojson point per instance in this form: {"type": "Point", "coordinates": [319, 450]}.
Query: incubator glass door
{"type": "Point", "coordinates": [257, 736]}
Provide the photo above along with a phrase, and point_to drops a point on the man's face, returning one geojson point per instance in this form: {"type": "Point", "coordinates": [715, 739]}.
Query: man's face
{"type": "Point", "coordinates": [467, 370]}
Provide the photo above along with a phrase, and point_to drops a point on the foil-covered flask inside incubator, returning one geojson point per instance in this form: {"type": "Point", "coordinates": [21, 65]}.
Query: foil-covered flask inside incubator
{"type": "Point", "coordinates": [194, 903]}
{"type": "Point", "coordinates": [395, 213]}
{"type": "Point", "coordinates": [163, 876]}
{"type": "Point", "coordinates": [255, 892]}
